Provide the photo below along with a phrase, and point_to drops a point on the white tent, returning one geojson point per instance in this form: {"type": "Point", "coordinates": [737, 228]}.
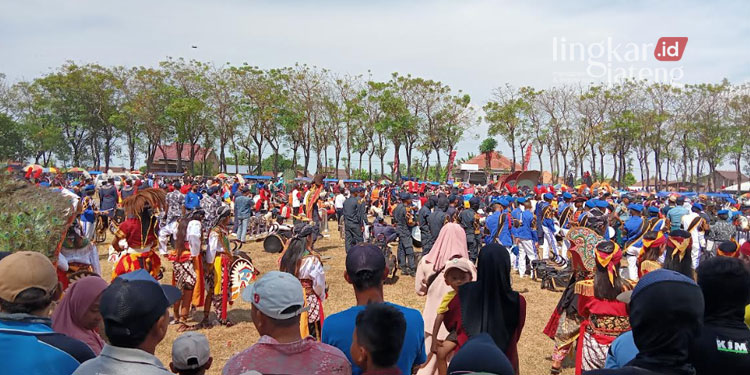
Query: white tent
{"type": "Point", "coordinates": [745, 187]}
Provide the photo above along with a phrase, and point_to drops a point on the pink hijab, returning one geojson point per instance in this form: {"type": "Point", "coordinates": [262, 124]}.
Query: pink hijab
{"type": "Point", "coordinates": [77, 300]}
{"type": "Point", "coordinates": [451, 243]}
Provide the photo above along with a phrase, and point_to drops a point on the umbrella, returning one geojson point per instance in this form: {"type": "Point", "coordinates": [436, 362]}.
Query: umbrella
{"type": "Point", "coordinates": [33, 170]}
{"type": "Point", "coordinates": [222, 175]}
{"type": "Point", "coordinates": [33, 167]}
{"type": "Point", "coordinates": [50, 170]}
{"type": "Point", "coordinates": [76, 170]}
{"type": "Point", "coordinates": [135, 172]}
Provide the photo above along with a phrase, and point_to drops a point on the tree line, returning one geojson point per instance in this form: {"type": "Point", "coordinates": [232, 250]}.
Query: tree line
{"type": "Point", "coordinates": [672, 133]}
{"type": "Point", "coordinates": [82, 115]}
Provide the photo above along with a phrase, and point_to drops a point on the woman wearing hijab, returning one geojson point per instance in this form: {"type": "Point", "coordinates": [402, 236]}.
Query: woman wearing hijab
{"type": "Point", "coordinates": [77, 314]}
{"type": "Point", "coordinates": [429, 281]}
{"type": "Point", "coordinates": [678, 255]}
{"type": "Point", "coordinates": [666, 313]}
{"type": "Point", "coordinates": [604, 316]}
{"type": "Point", "coordinates": [489, 305]}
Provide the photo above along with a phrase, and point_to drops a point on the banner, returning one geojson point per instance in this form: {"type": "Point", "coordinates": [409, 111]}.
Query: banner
{"type": "Point", "coordinates": [527, 157]}
{"type": "Point", "coordinates": [450, 165]}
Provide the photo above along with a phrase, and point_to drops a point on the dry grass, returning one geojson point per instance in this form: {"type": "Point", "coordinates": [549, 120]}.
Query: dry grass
{"type": "Point", "coordinates": [534, 347]}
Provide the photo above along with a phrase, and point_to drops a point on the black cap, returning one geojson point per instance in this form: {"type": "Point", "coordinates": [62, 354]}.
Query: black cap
{"type": "Point", "coordinates": [365, 257]}
{"type": "Point", "coordinates": [133, 303]}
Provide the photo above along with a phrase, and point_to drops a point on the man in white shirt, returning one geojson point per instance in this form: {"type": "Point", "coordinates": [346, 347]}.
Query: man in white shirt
{"type": "Point", "coordinates": [338, 204]}
{"type": "Point", "coordinates": [295, 200]}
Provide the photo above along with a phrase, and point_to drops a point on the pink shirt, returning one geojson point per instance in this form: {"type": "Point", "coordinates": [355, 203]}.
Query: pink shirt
{"type": "Point", "coordinates": [306, 356]}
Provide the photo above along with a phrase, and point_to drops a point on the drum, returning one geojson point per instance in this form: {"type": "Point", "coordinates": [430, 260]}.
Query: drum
{"type": "Point", "coordinates": [241, 274]}
{"type": "Point", "coordinates": [416, 236]}
{"type": "Point", "coordinates": [273, 244]}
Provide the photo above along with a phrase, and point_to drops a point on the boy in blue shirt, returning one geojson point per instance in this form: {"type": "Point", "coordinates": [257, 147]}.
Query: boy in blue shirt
{"type": "Point", "coordinates": [366, 271]}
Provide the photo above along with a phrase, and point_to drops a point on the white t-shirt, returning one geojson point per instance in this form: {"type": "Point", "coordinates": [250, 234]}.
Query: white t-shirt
{"type": "Point", "coordinates": [339, 202]}
{"type": "Point", "coordinates": [295, 198]}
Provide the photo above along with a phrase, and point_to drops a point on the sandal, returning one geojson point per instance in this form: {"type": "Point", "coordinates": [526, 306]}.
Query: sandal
{"type": "Point", "coordinates": [226, 323]}
{"type": "Point", "coordinates": [204, 324]}
{"type": "Point", "coordinates": [186, 328]}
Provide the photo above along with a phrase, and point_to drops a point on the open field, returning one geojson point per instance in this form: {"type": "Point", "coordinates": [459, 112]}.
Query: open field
{"type": "Point", "coordinates": [534, 347]}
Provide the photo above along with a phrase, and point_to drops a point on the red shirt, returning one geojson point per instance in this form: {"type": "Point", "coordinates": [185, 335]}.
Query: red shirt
{"type": "Point", "coordinates": [131, 232]}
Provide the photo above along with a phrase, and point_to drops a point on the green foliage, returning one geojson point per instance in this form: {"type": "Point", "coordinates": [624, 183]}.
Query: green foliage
{"type": "Point", "coordinates": [11, 140]}
{"type": "Point", "coordinates": [629, 179]}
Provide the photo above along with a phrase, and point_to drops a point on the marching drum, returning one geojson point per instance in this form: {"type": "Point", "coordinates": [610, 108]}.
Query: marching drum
{"type": "Point", "coordinates": [416, 236]}
{"type": "Point", "coordinates": [273, 243]}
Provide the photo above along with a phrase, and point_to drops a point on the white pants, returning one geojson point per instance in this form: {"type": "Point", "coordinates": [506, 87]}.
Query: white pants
{"type": "Point", "coordinates": [88, 229]}
{"type": "Point", "coordinates": [632, 255]}
{"type": "Point", "coordinates": [526, 250]}
{"type": "Point", "coordinates": [513, 257]}
{"type": "Point", "coordinates": [164, 234]}
{"type": "Point", "coordinates": [696, 254]}
{"type": "Point", "coordinates": [550, 243]}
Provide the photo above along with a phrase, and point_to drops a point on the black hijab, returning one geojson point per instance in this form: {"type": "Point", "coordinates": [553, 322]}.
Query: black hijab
{"type": "Point", "coordinates": [489, 304]}
{"type": "Point", "coordinates": [480, 355]}
{"type": "Point", "coordinates": [666, 313]}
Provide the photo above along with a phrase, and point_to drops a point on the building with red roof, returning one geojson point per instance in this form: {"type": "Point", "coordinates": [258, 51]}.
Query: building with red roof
{"type": "Point", "coordinates": [166, 158]}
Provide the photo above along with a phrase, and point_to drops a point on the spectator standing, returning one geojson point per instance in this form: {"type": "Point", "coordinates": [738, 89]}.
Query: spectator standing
{"type": "Point", "coordinates": [377, 339]}
{"type": "Point", "coordinates": [277, 302]}
{"type": "Point", "coordinates": [725, 339]}
{"type": "Point", "coordinates": [135, 312]}
{"type": "Point", "coordinates": [28, 345]}
{"type": "Point", "coordinates": [366, 271]}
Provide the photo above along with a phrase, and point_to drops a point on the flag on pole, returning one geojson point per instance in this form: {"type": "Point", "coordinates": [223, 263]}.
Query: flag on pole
{"type": "Point", "coordinates": [450, 165]}
{"type": "Point", "coordinates": [527, 157]}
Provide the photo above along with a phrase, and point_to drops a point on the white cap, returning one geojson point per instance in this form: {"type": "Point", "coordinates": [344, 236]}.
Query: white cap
{"type": "Point", "coordinates": [190, 351]}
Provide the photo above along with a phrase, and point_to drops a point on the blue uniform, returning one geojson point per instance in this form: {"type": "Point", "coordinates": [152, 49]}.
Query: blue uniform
{"type": "Point", "coordinates": [633, 227]}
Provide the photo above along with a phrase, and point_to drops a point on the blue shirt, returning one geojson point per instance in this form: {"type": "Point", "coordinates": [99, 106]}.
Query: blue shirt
{"type": "Point", "coordinates": [192, 200]}
{"type": "Point", "coordinates": [621, 351]}
{"type": "Point", "coordinates": [338, 329]}
{"type": "Point", "coordinates": [633, 226]}
{"type": "Point", "coordinates": [525, 231]}
{"type": "Point", "coordinates": [675, 215]}
{"type": "Point", "coordinates": [30, 346]}
{"type": "Point", "coordinates": [504, 236]}
{"type": "Point", "coordinates": [243, 207]}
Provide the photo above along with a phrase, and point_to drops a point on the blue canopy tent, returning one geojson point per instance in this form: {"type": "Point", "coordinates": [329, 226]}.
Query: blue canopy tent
{"type": "Point", "coordinates": [169, 174]}
{"type": "Point", "coordinates": [255, 177]}
{"type": "Point", "coordinates": [94, 172]}
{"type": "Point", "coordinates": [330, 180]}
{"type": "Point", "coordinates": [352, 181]}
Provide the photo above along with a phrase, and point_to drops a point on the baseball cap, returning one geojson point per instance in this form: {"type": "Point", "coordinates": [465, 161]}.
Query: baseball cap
{"type": "Point", "coordinates": [277, 295]}
{"type": "Point", "coordinates": [698, 206]}
{"type": "Point", "coordinates": [25, 270]}
{"type": "Point", "coordinates": [549, 196]}
{"type": "Point", "coordinates": [462, 264]}
{"type": "Point", "coordinates": [134, 302]}
{"type": "Point", "coordinates": [366, 257]}
{"type": "Point", "coordinates": [190, 351]}
{"type": "Point", "coordinates": [567, 195]}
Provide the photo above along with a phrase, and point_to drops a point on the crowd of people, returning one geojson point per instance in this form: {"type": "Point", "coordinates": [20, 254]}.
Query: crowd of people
{"type": "Point", "coordinates": [652, 283]}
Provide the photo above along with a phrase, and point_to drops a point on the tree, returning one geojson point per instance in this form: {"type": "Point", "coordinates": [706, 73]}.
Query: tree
{"type": "Point", "coordinates": [505, 116]}
{"type": "Point", "coordinates": [11, 140]}
{"type": "Point", "coordinates": [487, 147]}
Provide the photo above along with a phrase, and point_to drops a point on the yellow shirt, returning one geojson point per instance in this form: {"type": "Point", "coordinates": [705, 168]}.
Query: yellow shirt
{"type": "Point", "coordinates": [747, 316]}
{"type": "Point", "coordinates": [443, 308]}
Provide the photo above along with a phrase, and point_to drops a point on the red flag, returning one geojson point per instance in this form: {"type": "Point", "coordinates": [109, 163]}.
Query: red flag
{"type": "Point", "coordinates": [450, 165]}
{"type": "Point", "coordinates": [527, 157]}
{"type": "Point", "coordinates": [395, 166]}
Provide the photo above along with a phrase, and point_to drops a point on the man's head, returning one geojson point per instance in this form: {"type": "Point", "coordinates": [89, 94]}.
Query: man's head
{"type": "Point", "coordinates": [378, 337]}
{"type": "Point", "coordinates": [679, 200]}
{"type": "Point", "coordinates": [191, 354]}
{"type": "Point", "coordinates": [365, 267]}
{"type": "Point", "coordinates": [277, 301]}
{"type": "Point", "coordinates": [405, 198]}
{"type": "Point", "coordinates": [725, 283]}
{"type": "Point", "coordinates": [135, 310]}
{"type": "Point", "coordinates": [697, 208]}
{"type": "Point", "coordinates": [28, 284]}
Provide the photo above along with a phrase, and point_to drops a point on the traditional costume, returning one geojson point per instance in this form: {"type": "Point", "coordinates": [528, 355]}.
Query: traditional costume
{"type": "Point", "coordinates": [648, 259]}
{"type": "Point", "coordinates": [604, 319]}
{"type": "Point", "coordinates": [78, 257]}
{"type": "Point", "coordinates": [139, 231]}
{"type": "Point", "coordinates": [218, 259]}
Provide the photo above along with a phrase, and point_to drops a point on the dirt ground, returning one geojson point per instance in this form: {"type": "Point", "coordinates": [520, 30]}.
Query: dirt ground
{"type": "Point", "coordinates": [534, 347]}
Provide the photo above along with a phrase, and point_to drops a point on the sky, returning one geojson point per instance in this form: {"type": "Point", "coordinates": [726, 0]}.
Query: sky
{"type": "Point", "coordinates": [473, 46]}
